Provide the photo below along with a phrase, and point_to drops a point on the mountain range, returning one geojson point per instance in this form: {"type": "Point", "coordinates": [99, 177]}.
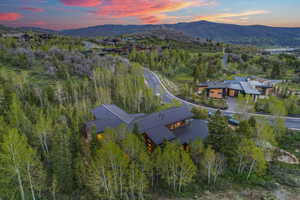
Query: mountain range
{"type": "Point", "coordinates": [229, 33]}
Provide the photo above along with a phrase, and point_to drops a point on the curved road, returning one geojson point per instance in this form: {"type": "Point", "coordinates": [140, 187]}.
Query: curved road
{"type": "Point", "coordinates": [158, 87]}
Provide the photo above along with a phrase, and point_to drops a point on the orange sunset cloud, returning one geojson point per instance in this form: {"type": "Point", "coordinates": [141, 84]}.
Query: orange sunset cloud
{"type": "Point", "coordinates": [228, 16]}
{"type": "Point", "coordinates": [81, 3]}
{"type": "Point", "coordinates": [10, 16]}
{"type": "Point", "coordinates": [149, 11]}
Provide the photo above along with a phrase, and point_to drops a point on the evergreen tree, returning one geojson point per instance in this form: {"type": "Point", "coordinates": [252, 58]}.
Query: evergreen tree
{"type": "Point", "coordinates": [218, 131]}
{"type": "Point", "coordinates": [245, 130]}
{"type": "Point", "coordinates": [196, 150]}
{"type": "Point", "coordinates": [276, 71]}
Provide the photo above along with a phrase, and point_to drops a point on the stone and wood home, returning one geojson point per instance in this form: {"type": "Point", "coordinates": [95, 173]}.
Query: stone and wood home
{"type": "Point", "coordinates": [240, 85]}
{"type": "Point", "coordinates": [174, 124]}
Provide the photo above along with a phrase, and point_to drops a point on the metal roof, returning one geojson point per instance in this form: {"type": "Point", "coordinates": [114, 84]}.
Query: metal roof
{"type": "Point", "coordinates": [160, 134]}
{"type": "Point", "coordinates": [101, 124]}
{"type": "Point", "coordinates": [163, 118]}
{"type": "Point", "coordinates": [241, 79]}
{"type": "Point", "coordinates": [248, 89]}
{"type": "Point", "coordinates": [110, 116]}
{"type": "Point", "coordinates": [113, 112]}
{"type": "Point", "coordinates": [256, 83]}
{"type": "Point", "coordinates": [154, 125]}
{"type": "Point", "coordinates": [235, 86]}
{"type": "Point", "coordinates": [217, 85]}
{"type": "Point", "coordinates": [196, 129]}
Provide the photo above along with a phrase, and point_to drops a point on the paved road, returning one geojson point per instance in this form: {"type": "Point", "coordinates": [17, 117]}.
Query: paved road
{"type": "Point", "coordinates": [154, 82]}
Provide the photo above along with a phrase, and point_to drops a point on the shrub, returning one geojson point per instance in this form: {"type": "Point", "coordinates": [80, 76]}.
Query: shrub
{"type": "Point", "coordinates": [200, 113]}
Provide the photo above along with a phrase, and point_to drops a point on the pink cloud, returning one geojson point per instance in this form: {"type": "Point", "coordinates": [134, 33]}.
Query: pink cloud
{"type": "Point", "coordinates": [10, 16]}
{"type": "Point", "coordinates": [32, 9]}
{"type": "Point", "coordinates": [81, 3]}
{"type": "Point", "coordinates": [148, 11]}
{"type": "Point", "coordinates": [152, 19]}
{"type": "Point", "coordinates": [231, 17]}
{"type": "Point", "coordinates": [125, 8]}
{"type": "Point", "coordinates": [39, 23]}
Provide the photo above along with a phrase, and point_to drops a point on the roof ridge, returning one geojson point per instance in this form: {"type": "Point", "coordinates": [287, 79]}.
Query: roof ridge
{"type": "Point", "coordinates": [106, 107]}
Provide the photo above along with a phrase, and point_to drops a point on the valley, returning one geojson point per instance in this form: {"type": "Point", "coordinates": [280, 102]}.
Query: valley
{"type": "Point", "coordinates": [145, 116]}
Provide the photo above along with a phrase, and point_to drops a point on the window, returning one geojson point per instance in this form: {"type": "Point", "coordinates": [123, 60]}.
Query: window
{"type": "Point", "coordinates": [176, 125]}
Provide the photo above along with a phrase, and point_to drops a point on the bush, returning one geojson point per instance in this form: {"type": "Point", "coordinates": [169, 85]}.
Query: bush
{"type": "Point", "coordinates": [200, 113]}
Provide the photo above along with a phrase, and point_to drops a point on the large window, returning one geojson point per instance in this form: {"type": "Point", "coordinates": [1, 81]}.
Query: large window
{"type": "Point", "coordinates": [176, 125]}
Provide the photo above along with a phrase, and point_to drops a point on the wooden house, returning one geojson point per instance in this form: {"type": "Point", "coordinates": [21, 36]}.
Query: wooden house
{"type": "Point", "coordinates": [174, 124]}
{"type": "Point", "coordinates": [231, 88]}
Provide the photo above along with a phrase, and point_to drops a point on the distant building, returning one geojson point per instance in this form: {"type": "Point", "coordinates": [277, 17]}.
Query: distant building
{"type": "Point", "coordinates": [240, 85]}
{"type": "Point", "coordinates": [174, 124]}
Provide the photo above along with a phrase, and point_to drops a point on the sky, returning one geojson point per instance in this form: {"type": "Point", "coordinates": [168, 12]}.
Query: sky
{"type": "Point", "coordinates": [70, 14]}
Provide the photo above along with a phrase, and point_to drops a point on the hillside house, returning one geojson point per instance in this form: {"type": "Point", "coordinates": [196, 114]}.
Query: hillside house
{"type": "Point", "coordinates": [174, 124]}
{"type": "Point", "coordinates": [255, 87]}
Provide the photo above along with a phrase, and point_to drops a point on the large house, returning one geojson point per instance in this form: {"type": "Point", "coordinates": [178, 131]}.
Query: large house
{"type": "Point", "coordinates": [174, 124]}
{"type": "Point", "coordinates": [240, 85]}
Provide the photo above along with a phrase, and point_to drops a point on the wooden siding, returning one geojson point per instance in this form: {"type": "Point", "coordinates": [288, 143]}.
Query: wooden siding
{"type": "Point", "coordinates": [216, 93]}
{"type": "Point", "coordinates": [149, 143]}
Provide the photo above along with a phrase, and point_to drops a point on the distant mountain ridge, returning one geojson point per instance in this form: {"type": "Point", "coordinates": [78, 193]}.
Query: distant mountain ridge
{"type": "Point", "coordinates": [37, 29]}
{"type": "Point", "coordinates": [229, 33]}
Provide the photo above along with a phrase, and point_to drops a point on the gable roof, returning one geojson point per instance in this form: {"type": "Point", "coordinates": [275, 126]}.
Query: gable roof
{"type": "Point", "coordinates": [163, 118]}
{"type": "Point", "coordinates": [241, 78]}
{"type": "Point", "coordinates": [248, 89]}
{"type": "Point", "coordinates": [101, 124]}
{"type": "Point", "coordinates": [196, 129]}
{"type": "Point", "coordinates": [113, 112]}
{"type": "Point", "coordinates": [160, 134]}
{"type": "Point", "coordinates": [217, 85]}
{"type": "Point", "coordinates": [153, 125]}
{"type": "Point", "coordinates": [109, 115]}
{"type": "Point", "coordinates": [235, 86]}
{"type": "Point", "coordinates": [239, 83]}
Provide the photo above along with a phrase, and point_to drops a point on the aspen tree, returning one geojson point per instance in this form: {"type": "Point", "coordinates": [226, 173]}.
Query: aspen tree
{"type": "Point", "coordinates": [176, 166]}
{"type": "Point", "coordinates": [208, 161]}
{"type": "Point", "coordinates": [21, 170]}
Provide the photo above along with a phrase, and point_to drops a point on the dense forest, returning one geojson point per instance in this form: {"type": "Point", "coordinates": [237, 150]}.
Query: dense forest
{"type": "Point", "coordinates": [49, 86]}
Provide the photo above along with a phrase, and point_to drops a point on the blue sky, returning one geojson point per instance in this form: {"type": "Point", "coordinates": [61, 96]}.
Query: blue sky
{"type": "Point", "coordinates": [65, 14]}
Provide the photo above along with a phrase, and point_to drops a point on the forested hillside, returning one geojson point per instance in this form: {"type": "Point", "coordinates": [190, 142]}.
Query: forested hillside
{"type": "Point", "coordinates": [50, 83]}
{"type": "Point", "coordinates": [48, 88]}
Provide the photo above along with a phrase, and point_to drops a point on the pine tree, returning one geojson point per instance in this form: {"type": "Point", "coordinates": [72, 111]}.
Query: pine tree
{"type": "Point", "coordinates": [196, 150]}
{"type": "Point", "coordinates": [245, 130]}
{"type": "Point", "coordinates": [218, 131]}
